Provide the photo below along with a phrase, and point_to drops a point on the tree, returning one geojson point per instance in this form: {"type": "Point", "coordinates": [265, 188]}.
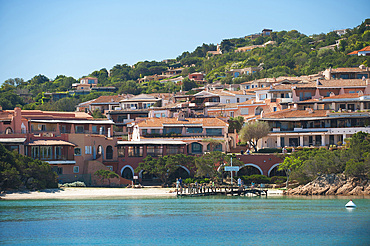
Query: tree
{"type": "Point", "coordinates": [236, 124]}
{"type": "Point", "coordinates": [208, 163]}
{"type": "Point", "coordinates": [21, 172]}
{"type": "Point", "coordinates": [253, 131]}
{"type": "Point", "coordinates": [163, 167]}
{"type": "Point", "coordinates": [289, 164]}
{"type": "Point", "coordinates": [106, 174]}
{"type": "Point", "coordinates": [188, 84]}
{"type": "Point", "coordinates": [97, 114]}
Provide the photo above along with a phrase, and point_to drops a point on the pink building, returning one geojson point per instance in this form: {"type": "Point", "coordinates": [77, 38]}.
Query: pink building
{"type": "Point", "coordinates": [73, 143]}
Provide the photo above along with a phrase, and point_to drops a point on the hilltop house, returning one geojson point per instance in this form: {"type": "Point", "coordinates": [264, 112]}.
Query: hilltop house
{"type": "Point", "coordinates": [347, 73]}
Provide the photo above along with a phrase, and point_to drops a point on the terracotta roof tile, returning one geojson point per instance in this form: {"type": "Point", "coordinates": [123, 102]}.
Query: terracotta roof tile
{"type": "Point", "coordinates": [353, 53]}
{"type": "Point", "coordinates": [347, 69]}
{"type": "Point", "coordinates": [367, 48]}
{"type": "Point", "coordinates": [290, 113]}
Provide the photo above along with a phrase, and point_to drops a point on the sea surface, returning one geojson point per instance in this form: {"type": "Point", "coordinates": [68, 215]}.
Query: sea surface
{"type": "Point", "coordinates": [186, 221]}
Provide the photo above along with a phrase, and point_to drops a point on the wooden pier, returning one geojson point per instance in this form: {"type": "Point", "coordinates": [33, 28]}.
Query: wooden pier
{"type": "Point", "coordinates": [206, 190]}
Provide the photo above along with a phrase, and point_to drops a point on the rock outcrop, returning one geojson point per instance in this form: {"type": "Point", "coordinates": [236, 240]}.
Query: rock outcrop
{"type": "Point", "coordinates": [332, 184]}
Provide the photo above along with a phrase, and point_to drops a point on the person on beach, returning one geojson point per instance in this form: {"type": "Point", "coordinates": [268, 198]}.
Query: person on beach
{"type": "Point", "coordinates": [177, 184]}
{"type": "Point", "coordinates": [180, 180]}
{"type": "Point", "coordinates": [239, 182]}
{"type": "Point", "coordinates": [248, 152]}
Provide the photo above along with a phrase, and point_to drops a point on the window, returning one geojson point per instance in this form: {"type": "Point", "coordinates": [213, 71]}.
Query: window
{"type": "Point", "coordinates": [275, 109]}
{"type": "Point", "coordinates": [173, 150]}
{"type": "Point", "coordinates": [154, 150]}
{"type": "Point", "coordinates": [344, 76]}
{"type": "Point", "coordinates": [238, 100]}
{"type": "Point", "coordinates": [144, 131]}
{"type": "Point", "coordinates": [78, 151]}
{"type": "Point", "coordinates": [58, 170]}
{"type": "Point", "coordinates": [79, 129]}
{"type": "Point", "coordinates": [121, 118]}
{"type": "Point", "coordinates": [227, 100]}
{"type": "Point", "coordinates": [88, 150]}
{"type": "Point", "coordinates": [172, 130]}
{"type": "Point", "coordinates": [41, 127]}
{"type": "Point", "coordinates": [58, 152]}
{"type": "Point", "coordinates": [163, 115]}
{"type": "Point", "coordinates": [307, 95]}
{"type": "Point", "coordinates": [45, 152]}
{"type": "Point", "coordinates": [135, 151]}
{"type": "Point", "coordinates": [244, 111]}
{"type": "Point", "coordinates": [94, 129]}
{"type": "Point", "coordinates": [35, 152]}
{"type": "Point", "coordinates": [359, 76]}
{"type": "Point", "coordinates": [262, 96]}
{"type": "Point", "coordinates": [214, 131]}
{"type": "Point", "coordinates": [109, 153]}
{"type": "Point", "coordinates": [196, 148]}
{"type": "Point", "coordinates": [155, 131]}
{"type": "Point", "coordinates": [76, 169]}
{"type": "Point", "coordinates": [194, 130]}
{"type": "Point", "coordinates": [110, 168]}
{"type": "Point", "coordinates": [231, 114]}
{"type": "Point", "coordinates": [121, 151]}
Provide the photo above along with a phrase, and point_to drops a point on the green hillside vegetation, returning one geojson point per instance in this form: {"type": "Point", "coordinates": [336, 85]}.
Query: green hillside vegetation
{"type": "Point", "coordinates": [293, 54]}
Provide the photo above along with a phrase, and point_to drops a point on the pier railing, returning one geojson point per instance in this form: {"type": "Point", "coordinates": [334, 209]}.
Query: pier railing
{"type": "Point", "coordinates": [211, 190]}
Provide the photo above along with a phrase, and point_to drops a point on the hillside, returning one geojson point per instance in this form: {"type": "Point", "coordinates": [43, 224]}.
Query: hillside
{"type": "Point", "coordinates": [289, 53]}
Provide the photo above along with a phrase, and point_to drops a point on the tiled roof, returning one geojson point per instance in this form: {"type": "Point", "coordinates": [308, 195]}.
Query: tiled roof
{"type": "Point", "coordinates": [353, 53]}
{"type": "Point", "coordinates": [347, 70]}
{"type": "Point", "coordinates": [38, 114]}
{"type": "Point", "coordinates": [51, 143]}
{"type": "Point", "coordinates": [367, 48]}
{"type": "Point", "coordinates": [158, 122]}
{"type": "Point", "coordinates": [108, 99]}
{"type": "Point", "coordinates": [290, 113]}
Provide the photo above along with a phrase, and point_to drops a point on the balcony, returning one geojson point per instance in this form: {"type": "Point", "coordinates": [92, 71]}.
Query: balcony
{"type": "Point", "coordinates": [286, 100]}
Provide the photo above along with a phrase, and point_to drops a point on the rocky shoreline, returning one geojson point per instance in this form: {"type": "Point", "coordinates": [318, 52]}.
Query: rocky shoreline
{"type": "Point", "coordinates": [332, 184]}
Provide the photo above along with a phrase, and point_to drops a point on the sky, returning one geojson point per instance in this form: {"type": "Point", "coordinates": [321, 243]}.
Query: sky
{"type": "Point", "coordinates": [77, 37]}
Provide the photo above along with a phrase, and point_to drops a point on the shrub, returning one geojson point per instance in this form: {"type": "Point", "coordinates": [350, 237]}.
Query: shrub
{"type": "Point", "coordinates": [269, 150]}
{"type": "Point", "coordinates": [278, 179]}
{"type": "Point", "coordinates": [188, 181]}
{"type": "Point", "coordinates": [256, 178]}
{"type": "Point", "coordinates": [75, 184]}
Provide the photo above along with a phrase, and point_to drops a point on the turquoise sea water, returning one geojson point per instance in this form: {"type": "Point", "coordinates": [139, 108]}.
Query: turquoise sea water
{"type": "Point", "coordinates": [186, 221]}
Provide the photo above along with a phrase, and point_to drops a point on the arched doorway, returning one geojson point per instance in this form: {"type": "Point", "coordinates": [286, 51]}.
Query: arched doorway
{"type": "Point", "coordinates": [8, 130]}
{"type": "Point", "coordinates": [127, 172]}
{"type": "Point", "coordinates": [182, 172]}
{"type": "Point", "coordinates": [250, 169]}
{"type": "Point", "coordinates": [196, 148]}
{"type": "Point", "coordinates": [275, 172]}
{"type": "Point", "coordinates": [258, 110]}
{"type": "Point", "coordinates": [109, 152]}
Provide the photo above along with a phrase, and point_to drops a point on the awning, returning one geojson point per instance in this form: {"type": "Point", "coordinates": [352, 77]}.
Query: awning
{"type": "Point", "coordinates": [157, 142]}
{"type": "Point", "coordinates": [50, 143]}
{"type": "Point", "coordinates": [12, 140]}
{"type": "Point", "coordinates": [61, 162]}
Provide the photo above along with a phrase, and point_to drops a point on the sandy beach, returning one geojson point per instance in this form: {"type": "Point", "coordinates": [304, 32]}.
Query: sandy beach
{"type": "Point", "coordinates": [90, 193]}
{"type": "Point", "coordinates": [96, 193]}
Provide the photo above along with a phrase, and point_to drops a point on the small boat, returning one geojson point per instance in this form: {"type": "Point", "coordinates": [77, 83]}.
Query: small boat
{"type": "Point", "coordinates": [350, 204]}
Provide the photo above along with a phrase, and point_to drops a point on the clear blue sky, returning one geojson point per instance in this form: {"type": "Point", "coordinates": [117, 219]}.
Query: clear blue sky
{"type": "Point", "coordinates": [77, 37]}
